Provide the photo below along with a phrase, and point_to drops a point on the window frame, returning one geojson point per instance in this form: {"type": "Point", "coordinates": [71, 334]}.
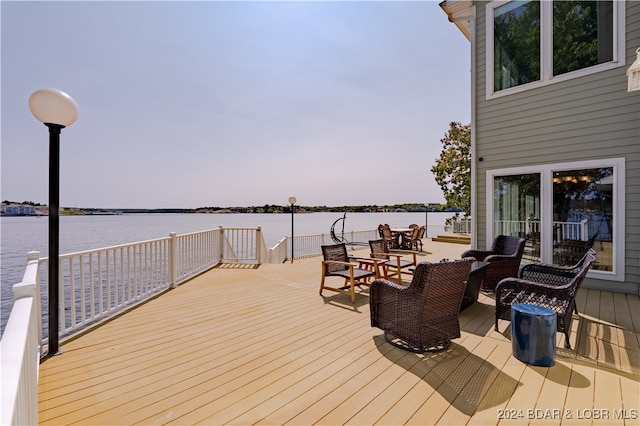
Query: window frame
{"type": "Point", "coordinates": [546, 49]}
{"type": "Point", "coordinates": [546, 208]}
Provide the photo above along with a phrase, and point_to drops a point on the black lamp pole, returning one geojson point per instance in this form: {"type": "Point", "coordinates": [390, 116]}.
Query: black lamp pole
{"type": "Point", "coordinates": [54, 232]}
{"type": "Point", "coordinates": [56, 110]}
{"type": "Point", "coordinates": [292, 200]}
{"type": "Point", "coordinates": [426, 220]}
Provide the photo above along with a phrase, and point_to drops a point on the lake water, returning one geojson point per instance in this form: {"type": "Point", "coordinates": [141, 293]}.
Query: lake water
{"type": "Point", "coordinates": [19, 235]}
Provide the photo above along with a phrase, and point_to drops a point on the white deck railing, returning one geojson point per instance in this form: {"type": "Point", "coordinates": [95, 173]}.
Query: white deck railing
{"type": "Point", "coordinates": [561, 230]}
{"type": "Point", "coordinates": [20, 351]}
{"type": "Point", "coordinates": [96, 284]}
{"type": "Point", "coordinates": [309, 245]}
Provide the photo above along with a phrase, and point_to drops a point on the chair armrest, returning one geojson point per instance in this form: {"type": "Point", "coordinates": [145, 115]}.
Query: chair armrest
{"type": "Point", "coordinates": [406, 252]}
{"type": "Point", "coordinates": [388, 285]}
{"type": "Point", "coordinates": [500, 257]}
{"type": "Point", "coordinates": [518, 284]}
{"type": "Point", "coordinates": [374, 256]}
{"type": "Point", "coordinates": [476, 254]}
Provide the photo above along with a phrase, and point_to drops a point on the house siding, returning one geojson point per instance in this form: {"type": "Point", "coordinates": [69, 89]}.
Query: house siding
{"type": "Point", "coordinates": [585, 118]}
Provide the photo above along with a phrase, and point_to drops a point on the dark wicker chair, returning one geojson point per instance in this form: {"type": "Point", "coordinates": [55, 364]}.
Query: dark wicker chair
{"type": "Point", "coordinates": [545, 285]}
{"type": "Point", "coordinates": [424, 316]}
{"type": "Point", "coordinates": [395, 264]}
{"type": "Point", "coordinates": [504, 259]}
{"type": "Point", "coordinates": [337, 263]}
{"type": "Point", "coordinates": [567, 252]}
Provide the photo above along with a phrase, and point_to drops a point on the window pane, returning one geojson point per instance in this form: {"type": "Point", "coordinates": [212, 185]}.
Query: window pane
{"type": "Point", "coordinates": [582, 34]}
{"type": "Point", "coordinates": [582, 216]}
{"type": "Point", "coordinates": [517, 210]}
{"type": "Point", "coordinates": [516, 31]}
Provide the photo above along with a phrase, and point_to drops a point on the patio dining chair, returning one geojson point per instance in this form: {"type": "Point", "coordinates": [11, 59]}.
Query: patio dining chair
{"type": "Point", "coordinates": [424, 316]}
{"type": "Point", "coordinates": [393, 240]}
{"type": "Point", "coordinates": [395, 265]}
{"type": "Point", "coordinates": [337, 263]}
{"type": "Point", "coordinates": [413, 241]}
{"type": "Point", "coordinates": [503, 257]}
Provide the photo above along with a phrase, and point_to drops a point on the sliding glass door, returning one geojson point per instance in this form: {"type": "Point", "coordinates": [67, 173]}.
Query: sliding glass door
{"type": "Point", "coordinates": [562, 210]}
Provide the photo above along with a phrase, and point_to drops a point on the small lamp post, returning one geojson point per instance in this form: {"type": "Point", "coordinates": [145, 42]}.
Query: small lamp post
{"type": "Point", "coordinates": [292, 201]}
{"type": "Point", "coordinates": [426, 220]}
{"type": "Point", "coordinates": [56, 110]}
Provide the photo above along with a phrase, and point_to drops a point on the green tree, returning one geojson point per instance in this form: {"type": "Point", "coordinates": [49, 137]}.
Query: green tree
{"type": "Point", "coordinates": [452, 170]}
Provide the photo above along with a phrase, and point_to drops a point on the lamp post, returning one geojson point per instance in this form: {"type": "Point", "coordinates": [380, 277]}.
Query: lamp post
{"type": "Point", "coordinates": [56, 110]}
{"type": "Point", "coordinates": [292, 201]}
{"type": "Point", "coordinates": [426, 220]}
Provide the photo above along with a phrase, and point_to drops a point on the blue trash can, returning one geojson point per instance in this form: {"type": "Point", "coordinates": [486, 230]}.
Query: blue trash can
{"type": "Point", "coordinates": [533, 334]}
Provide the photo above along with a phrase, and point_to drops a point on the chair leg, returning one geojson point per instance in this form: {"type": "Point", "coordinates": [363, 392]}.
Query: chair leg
{"type": "Point", "coordinates": [322, 282]}
{"type": "Point", "coordinates": [352, 290]}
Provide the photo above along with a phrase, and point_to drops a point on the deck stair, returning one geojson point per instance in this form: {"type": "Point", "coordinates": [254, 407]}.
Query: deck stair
{"type": "Point", "coordinates": [453, 238]}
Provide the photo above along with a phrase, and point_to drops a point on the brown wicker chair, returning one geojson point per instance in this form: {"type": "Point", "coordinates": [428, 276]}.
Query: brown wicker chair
{"type": "Point", "coordinates": [395, 264]}
{"type": "Point", "coordinates": [504, 259]}
{"type": "Point", "coordinates": [393, 241]}
{"type": "Point", "coordinates": [545, 285]}
{"type": "Point", "coordinates": [424, 316]}
{"type": "Point", "coordinates": [337, 263]}
{"type": "Point", "coordinates": [412, 241]}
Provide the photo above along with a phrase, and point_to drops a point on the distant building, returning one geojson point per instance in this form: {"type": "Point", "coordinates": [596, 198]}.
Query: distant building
{"type": "Point", "coordinates": [18, 210]}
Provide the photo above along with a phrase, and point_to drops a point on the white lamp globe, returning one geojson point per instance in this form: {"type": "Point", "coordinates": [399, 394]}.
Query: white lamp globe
{"type": "Point", "coordinates": [53, 106]}
{"type": "Point", "coordinates": [292, 200]}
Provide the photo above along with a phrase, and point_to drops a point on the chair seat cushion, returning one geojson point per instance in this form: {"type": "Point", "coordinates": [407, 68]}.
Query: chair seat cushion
{"type": "Point", "coordinates": [358, 273]}
{"type": "Point", "coordinates": [403, 264]}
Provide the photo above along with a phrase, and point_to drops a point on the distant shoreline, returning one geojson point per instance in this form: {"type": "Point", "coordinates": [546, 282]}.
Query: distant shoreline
{"type": "Point", "coordinates": [267, 208]}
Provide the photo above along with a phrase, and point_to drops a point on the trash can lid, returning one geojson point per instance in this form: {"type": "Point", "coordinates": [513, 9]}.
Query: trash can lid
{"type": "Point", "coordinates": [532, 309]}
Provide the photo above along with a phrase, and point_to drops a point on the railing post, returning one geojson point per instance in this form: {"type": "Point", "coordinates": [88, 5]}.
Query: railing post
{"type": "Point", "coordinates": [259, 244]}
{"type": "Point", "coordinates": [28, 286]}
{"type": "Point", "coordinates": [173, 260]}
{"type": "Point", "coordinates": [221, 243]}
{"type": "Point", "coordinates": [584, 230]}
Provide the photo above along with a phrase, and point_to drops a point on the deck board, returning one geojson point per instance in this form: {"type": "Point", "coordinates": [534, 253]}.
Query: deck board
{"type": "Point", "coordinates": [260, 346]}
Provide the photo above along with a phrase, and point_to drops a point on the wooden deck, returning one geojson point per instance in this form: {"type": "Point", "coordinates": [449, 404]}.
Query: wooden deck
{"type": "Point", "coordinates": [260, 346]}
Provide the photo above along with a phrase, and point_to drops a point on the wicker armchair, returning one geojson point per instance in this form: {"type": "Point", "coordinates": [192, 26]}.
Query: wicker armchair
{"type": "Point", "coordinates": [424, 316]}
{"type": "Point", "coordinates": [545, 285]}
{"type": "Point", "coordinates": [337, 263]}
{"type": "Point", "coordinates": [503, 258]}
{"type": "Point", "coordinates": [395, 264]}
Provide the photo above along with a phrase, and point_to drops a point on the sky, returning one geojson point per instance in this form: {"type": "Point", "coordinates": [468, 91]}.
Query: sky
{"type": "Point", "coordinates": [212, 103]}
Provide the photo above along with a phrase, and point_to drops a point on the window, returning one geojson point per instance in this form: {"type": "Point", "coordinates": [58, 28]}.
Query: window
{"type": "Point", "coordinates": [582, 34]}
{"type": "Point", "coordinates": [516, 29]}
{"type": "Point", "coordinates": [562, 210]}
{"type": "Point", "coordinates": [532, 43]}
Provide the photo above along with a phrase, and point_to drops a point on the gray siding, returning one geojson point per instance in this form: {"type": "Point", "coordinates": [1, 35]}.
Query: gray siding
{"type": "Point", "coordinates": [590, 117]}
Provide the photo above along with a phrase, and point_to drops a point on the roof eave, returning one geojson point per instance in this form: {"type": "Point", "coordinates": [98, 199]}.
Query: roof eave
{"type": "Point", "coordinates": [459, 12]}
